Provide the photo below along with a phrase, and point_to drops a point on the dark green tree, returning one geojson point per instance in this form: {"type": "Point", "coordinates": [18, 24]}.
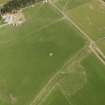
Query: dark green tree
{"type": "Point", "coordinates": [14, 5]}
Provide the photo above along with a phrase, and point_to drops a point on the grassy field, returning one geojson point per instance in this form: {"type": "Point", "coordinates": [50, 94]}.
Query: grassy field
{"type": "Point", "coordinates": [56, 97]}
{"type": "Point", "coordinates": [89, 17]}
{"type": "Point", "coordinates": [70, 4]}
{"type": "Point", "coordinates": [82, 84]}
{"type": "Point", "coordinates": [101, 44]}
{"type": "Point", "coordinates": [93, 92]}
{"type": "Point", "coordinates": [33, 52]}
{"type": "Point", "coordinates": [83, 81]}
{"type": "Point", "coordinates": [46, 61]}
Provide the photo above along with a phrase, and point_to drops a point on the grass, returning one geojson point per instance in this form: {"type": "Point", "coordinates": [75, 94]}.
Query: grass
{"type": "Point", "coordinates": [3, 1]}
{"type": "Point", "coordinates": [73, 79]}
{"type": "Point", "coordinates": [101, 44]}
{"type": "Point", "coordinates": [93, 92]}
{"type": "Point", "coordinates": [25, 63]}
{"type": "Point", "coordinates": [56, 97]}
{"type": "Point", "coordinates": [85, 17]}
{"type": "Point", "coordinates": [32, 53]}
{"type": "Point", "coordinates": [80, 83]}
{"type": "Point", "coordinates": [70, 4]}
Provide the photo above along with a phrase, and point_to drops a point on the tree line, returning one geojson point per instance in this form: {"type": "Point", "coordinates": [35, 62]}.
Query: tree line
{"type": "Point", "coordinates": [14, 5]}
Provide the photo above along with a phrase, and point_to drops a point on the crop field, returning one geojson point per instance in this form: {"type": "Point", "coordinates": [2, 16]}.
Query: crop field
{"type": "Point", "coordinates": [54, 57]}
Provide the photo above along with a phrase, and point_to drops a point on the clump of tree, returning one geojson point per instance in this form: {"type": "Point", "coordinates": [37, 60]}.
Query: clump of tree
{"type": "Point", "coordinates": [14, 5]}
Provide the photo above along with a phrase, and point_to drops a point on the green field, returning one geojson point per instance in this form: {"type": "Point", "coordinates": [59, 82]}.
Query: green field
{"type": "Point", "coordinates": [56, 98]}
{"type": "Point", "coordinates": [47, 60]}
{"type": "Point", "coordinates": [90, 18]}
{"type": "Point", "coordinates": [101, 44]}
{"type": "Point", "coordinates": [93, 92]}
{"type": "Point", "coordinates": [70, 4]}
{"type": "Point", "coordinates": [80, 85]}
{"type": "Point", "coordinates": [33, 52]}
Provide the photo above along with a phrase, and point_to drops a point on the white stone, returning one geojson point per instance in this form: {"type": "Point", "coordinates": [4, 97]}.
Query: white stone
{"type": "Point", "coordinates": [51, 54]}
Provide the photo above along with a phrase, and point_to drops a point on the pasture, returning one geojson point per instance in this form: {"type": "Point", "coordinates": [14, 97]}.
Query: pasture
{"type": "Point", "coordinates": [32, 53]}
{"type": "Point", "coordinates": [93, 91]}
{"type": "Point", "coordinates": [70, 4]}
{"type": "Point", "coordinates": [56, 97]}
{"type": "Point", "coordinates": [81, 84]}
{"type": "Point", "coordinates": [90, 18]}
{"type": "Point", "coordinates": [47, 61]}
